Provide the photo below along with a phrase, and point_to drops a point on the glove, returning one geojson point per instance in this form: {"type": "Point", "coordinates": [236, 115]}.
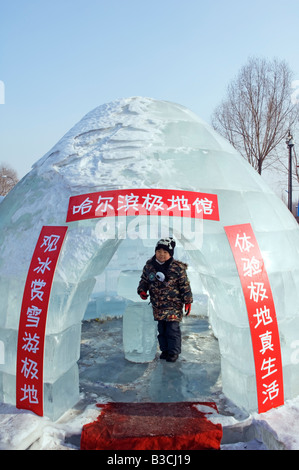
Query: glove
{"type": "Point", "coordinates": [143, 295]}
{"type": "Point", "coordinates": [187, 309]}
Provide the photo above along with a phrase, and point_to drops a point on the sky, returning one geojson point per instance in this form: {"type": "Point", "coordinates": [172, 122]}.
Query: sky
{"type": "Point", "coordinates": [59, 59]}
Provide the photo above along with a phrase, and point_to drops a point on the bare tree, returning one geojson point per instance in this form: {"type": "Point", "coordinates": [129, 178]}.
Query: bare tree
{"type": "Point", "coordinates": [258, 111]}
{"type": "Point", "coordinates": [8, 179]}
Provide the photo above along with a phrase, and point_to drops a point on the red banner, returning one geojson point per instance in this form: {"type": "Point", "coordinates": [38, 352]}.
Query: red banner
{"type": "Point", "coordinates": [143, 202]}
{"type": "Point", "coordinates": [30, 354]}
{"type": "Point", "coordinates": [261, 314]}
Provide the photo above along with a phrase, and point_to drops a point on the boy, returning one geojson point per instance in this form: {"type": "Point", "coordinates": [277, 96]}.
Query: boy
{"type": "Point", "coordinates": [167, 282]}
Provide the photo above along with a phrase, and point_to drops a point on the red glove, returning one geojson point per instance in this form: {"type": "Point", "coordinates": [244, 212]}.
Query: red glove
{"type": "Point", "coordinates": [143, 295]}
{"type": "Point", "coordinates": [187, 309]}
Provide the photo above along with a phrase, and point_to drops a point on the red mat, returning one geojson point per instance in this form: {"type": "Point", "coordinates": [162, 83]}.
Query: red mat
{"type": "Point", "coordinates": [152, 426]}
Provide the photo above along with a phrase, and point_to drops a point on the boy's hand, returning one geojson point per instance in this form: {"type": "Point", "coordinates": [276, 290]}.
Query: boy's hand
{"type": "Point", "coordinates": [143, 295]}
{"type": "Point", "coordinates": [187, 309]}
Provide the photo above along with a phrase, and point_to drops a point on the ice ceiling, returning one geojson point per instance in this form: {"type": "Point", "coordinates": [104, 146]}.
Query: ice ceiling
{"type": "Point", "coordinates": [145, 143]}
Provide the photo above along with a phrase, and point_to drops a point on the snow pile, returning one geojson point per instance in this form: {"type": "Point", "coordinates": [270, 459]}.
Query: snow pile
{"type": "Point", "coordinates": [279, 428]}
{"type": "Point", "coordinates": [21, 430]}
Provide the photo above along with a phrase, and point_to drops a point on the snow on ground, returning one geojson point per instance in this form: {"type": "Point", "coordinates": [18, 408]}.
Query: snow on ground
{"type": "Point", "coordinates": [105, 375]}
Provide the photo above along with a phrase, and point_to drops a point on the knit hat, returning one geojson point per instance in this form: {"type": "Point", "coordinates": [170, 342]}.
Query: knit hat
{"type": "Point", "coordinates": [167, 244]}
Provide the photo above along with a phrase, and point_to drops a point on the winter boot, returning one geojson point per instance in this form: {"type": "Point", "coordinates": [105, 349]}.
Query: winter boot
{"type": "Point", "coordinates": [172, 357]}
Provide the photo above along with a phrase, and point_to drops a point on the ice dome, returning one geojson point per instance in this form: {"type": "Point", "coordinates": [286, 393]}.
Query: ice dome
{"type": "Point", "coordinates": [144, 143]}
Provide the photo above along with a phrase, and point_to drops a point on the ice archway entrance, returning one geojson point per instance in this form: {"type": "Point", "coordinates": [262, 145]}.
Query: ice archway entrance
{"type": "Point", "coordinates": [69, 299]}
{"type": "Point", "coordinates": [142, 143]}
{"type": "Point", "coordinates": [106, 367]}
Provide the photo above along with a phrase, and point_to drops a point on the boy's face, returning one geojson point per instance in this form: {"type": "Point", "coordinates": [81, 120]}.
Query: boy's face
{"type": "Point", "coordinates": [162, 255]}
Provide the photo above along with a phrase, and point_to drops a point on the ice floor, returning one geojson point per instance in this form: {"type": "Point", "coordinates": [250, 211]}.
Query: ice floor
{"type": "Point", "coordinates": [104, 371]}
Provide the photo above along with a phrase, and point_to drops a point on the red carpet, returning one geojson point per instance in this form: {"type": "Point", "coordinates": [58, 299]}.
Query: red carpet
{"type": "Point", "coordinates": [152, 426]}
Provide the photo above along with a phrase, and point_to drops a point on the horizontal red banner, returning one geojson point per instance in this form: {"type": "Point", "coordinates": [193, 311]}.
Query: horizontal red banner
{"type": "Point", "coordinates": [125, 202]}
{"type": "Point", "coordinates": [261, 315]}
{"type": "Point", "coordinates": [30, 354]}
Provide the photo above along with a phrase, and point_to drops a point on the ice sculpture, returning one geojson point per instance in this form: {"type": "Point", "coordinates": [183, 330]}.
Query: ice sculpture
{"type": "Point", "coordinates": [144, 143]}
{"type": "Point", "coordinates": [139, 333]}
{"type": "Point", "coordinates": [139, 327]}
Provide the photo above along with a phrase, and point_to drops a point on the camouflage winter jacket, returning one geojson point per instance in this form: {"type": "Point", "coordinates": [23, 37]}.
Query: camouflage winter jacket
{"type": "Point", "coordinates": [167, 297]}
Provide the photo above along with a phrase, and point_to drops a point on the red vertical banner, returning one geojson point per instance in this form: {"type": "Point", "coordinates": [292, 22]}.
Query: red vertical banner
{"type": "Point", "coordinates": [32, 325]}
{"type": "Point", "coordinates": [261, 315]}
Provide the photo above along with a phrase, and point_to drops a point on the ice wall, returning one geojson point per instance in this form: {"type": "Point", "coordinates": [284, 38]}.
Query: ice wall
{"type": "Point", "coordinates": [144, 143]}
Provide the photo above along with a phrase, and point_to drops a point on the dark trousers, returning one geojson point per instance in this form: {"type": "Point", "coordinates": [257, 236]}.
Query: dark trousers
{"type": "Point", "coordinates": [169, 336]}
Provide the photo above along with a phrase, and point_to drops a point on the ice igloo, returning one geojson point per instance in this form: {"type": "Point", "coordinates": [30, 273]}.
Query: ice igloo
{"type": "Point", "coordinates": [142, 143]}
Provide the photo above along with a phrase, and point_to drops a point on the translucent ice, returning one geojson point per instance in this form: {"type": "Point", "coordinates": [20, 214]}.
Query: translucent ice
{"type": "Point", "coordinates": [139, 333]}
{"type": "Point", "coordinates": [59, 395]}
{"type": "Point", "coordinates": [145, 143]}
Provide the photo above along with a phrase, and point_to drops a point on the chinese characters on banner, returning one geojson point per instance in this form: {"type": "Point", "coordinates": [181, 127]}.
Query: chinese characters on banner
{"type": "Point", "coordinates": [261, 315]}
{"type": "Point", "coordinates": [143, 202]}
{"type": "Point", "coordinates": [29, 392]}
